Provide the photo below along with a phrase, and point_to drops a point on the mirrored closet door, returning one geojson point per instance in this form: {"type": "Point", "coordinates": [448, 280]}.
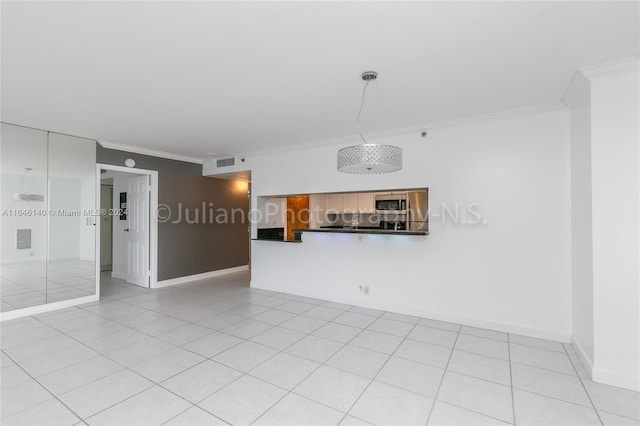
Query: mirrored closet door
{"type": "Point", "coordinates": [47, 225]}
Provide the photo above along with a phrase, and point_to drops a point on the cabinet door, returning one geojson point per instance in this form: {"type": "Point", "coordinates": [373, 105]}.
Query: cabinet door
{"type": "Point", "coordinates": [318, 207]}
{"type": "Point", "coordinates": [334, 203]}
{"type": "Point", "coordinates": [350, 203]}
{"type": "Point", "coordinates": [366, 202]}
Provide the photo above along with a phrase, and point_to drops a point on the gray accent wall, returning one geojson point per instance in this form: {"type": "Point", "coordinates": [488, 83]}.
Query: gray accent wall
{"type": "Point", "coordinates": [192, 248]}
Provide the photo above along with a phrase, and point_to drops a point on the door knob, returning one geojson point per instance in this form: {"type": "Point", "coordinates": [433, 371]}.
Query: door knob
{"type": "Point", "coordinates": [126, 229]}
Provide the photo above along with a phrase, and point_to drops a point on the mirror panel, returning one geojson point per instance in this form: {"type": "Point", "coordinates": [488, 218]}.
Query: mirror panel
{"type": "Point", "coordinates": [47, 227]}
{"type": "Point", "coordinates": [71, 259]}
{"type": "Point", "coordinates": [23, 223]}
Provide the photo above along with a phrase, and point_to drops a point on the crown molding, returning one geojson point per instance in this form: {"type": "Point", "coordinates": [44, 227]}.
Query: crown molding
{"type": "Point", "coordinates": [352, 139]}
{"type": "Point", "coordinates": [609, 68]}
{"type": "Point", "coordinates": [146, 151]}
{"type": "Point", "coordinates": [509, 113]}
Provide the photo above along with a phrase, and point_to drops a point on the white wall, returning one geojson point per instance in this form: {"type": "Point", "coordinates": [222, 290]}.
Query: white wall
{"type": "Point", "coordinates": [616, 216]}
{"type": "Point", "coordinates": [605, 220]}
{"type": "Point", "coordinates": [578, 99]}
{"type": "Point", "coordinates": [512, 272]}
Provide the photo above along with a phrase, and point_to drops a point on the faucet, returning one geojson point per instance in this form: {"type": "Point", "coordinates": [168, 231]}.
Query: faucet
{"type": "Point", "coordinates": [396, 226]}
{"type": "Point", "coordinates": [355, 220]}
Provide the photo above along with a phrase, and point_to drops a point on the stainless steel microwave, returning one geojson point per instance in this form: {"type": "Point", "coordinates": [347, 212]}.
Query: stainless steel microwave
{"type": "Point", "coordinates": [391, 203]}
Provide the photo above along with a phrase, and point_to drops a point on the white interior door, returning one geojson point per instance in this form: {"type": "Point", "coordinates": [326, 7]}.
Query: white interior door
{"type": "Point", "coordinates": [138, 230]}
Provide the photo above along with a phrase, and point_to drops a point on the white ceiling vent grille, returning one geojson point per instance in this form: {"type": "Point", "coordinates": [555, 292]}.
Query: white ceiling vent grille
{"type": "Point", "coordinates": [226, 162]}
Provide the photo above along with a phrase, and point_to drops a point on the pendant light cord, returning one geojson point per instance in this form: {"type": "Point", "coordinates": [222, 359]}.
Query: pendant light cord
{"type": "Point", "coordinates": [384, 109]}
{"type": "Point", "coordinates": [364, 93]}
{"type": "Point", "coordinates": [20, 188]}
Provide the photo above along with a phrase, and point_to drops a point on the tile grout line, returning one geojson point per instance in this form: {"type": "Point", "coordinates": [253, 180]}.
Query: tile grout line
{"type": "Point", "coordinates": [463, 374]}
{"type": "Point", "coordinates": [194, 406]}
{"type": "Point", "coordinates": [320, 366]}
{"type": "Point", "coordinates": [513, 402]}
{"type": "Point", "coordinates": [279, 351]}
{"type": "Point", "coordinates": [156, 383]}
{"type": "Point", "coordinates": [434, 366]}
{"type": "Point", "coordinates": [243, 340]}
{"type": "Point", "coordinates": [93, 381]}
{"type": "Point", "coordinates": [446, 368]}
{"type": "Point", "coordinates": [619, 415]}
{"type": "Point", "coordinates": [389, 356]}
{"type": "Point", "coordinates": [125, 367]}
{"type": "Point", "coordinates": [43, 387]}
{"type": "Point", "coordinates": [159, 384]}
{"type": "Point", "coordinates": [242, 318]}
{"type": "Point", "coordinates": [554, 398]}
{"type": "Point", "coordinates": [583, 386]}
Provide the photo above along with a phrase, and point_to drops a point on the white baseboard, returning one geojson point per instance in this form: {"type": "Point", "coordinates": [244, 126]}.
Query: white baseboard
{"type": "Point", "coordinates": [118, 275]}
{"type": "Point", "coordinates": [23, 260]}
{"type": "Point", "coordinates": [605, 377]}
{"type": "Point", "coordinates": [614, 379]}
{"type": "Point", "coordinates": [43, 259]}
{"type": "Point", "coordinates": [48, 307]}
{"type": "Point", "coordinates": [473, 322]}
{"type": "Point", "coordinates": [582, 354]}
{"type": "Point", "coordinates": [62, 259]}
{"type": "Point", "coordinates": [197, 277]}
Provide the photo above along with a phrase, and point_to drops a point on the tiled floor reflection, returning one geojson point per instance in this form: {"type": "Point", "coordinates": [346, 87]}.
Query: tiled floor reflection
{"type": "Point", "coordinates": [34, 283]}
{"type": "Point", "coordinates": [217, 352]}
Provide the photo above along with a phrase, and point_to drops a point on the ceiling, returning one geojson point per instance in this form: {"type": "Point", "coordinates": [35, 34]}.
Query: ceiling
{"type": "Point", "coordinates": [215, 78]}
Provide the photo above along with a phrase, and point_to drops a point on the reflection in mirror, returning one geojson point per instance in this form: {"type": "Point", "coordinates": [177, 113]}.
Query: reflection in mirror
{"type": "Point", "coordinates": [47, 201]}
{"type": "Point", "coordinates": [71, 259]}
{"type": "Point", "coordinates": [23, 170]}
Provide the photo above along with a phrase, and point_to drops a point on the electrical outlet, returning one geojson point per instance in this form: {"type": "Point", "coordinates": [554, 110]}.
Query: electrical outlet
{"type": "Point", "coordinates": [364, 289]}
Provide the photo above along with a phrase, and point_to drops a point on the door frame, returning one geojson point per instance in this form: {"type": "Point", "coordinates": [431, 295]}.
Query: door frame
{"type": "Point", "coordinates": [102, 185]}
{"type": "Point", "coordinates": [153, 223]}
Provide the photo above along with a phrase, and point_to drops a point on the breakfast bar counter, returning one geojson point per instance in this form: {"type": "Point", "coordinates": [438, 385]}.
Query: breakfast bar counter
{"type": "Point", "coordinates": [357, 230]}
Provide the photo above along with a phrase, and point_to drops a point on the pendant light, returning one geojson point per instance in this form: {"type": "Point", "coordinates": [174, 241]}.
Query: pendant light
{"type": "Point", "coordinates": [369, 158]}
{"type": "Point", "coordinates": [22, 195]}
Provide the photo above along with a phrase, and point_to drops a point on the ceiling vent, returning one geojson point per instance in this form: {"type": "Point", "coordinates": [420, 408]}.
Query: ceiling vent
{"type": "Point", "coordinates": [226, 162]}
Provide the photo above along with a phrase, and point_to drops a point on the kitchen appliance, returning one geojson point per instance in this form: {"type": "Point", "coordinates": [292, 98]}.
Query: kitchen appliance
{"type": "Point", "coordinates": [276, 234]}
{"type": "Point", "coordinates": [418, 210]}
{"type": "Point", "coordinates": [392, 211]}
{"type": "Point", "coordinates": [391, 203]}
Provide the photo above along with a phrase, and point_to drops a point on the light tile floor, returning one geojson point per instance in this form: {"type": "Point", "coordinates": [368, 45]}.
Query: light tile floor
{"type": "Point", "coordinates": [217, 352]}
{"type": "Point", "coordinates": [34, 283]}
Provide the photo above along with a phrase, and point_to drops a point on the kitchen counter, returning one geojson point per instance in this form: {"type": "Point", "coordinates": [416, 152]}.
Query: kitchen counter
{"type": "Point", "coordinates": [365, 230]}
{"type": "Point", "coordinates": [275, 241]}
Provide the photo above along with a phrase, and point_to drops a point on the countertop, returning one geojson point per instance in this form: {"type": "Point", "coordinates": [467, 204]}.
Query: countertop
{"type": "Point", "coordinates": [362, 231]}
{"type": "Point", "coordinates": [274, 241]}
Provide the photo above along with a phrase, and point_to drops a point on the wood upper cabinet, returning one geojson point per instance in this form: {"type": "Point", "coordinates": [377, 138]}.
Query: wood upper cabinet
{"type": "Point", "coordinates": [366, 203]}
{"type": "Point", "coordinates": [350, 202]}
{"type": "Point", "coordinates": [334, 203]}
{"type": "Point", "coordinates": [318, 207]}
